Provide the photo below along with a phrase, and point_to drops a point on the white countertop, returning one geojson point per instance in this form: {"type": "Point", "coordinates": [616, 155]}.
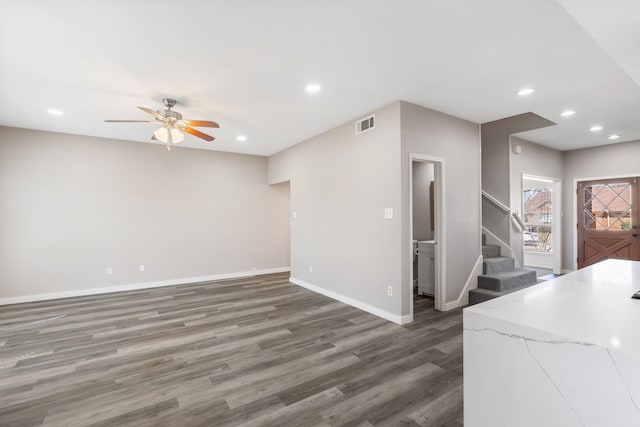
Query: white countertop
{"type": "Point", "coordinates": [591, 305]}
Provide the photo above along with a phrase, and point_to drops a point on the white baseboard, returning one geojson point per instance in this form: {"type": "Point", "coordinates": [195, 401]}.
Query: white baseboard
{"type": "Point", "coordinates": [407, 318]}
{"type": "Point", "coordinates": [565, 271]}
{"type": "Point", "coordinates": [471, 283]}
{"type": "Point", "coordinates": [137, 286]}
{"type": "Point", "coordinates": [400, 320]}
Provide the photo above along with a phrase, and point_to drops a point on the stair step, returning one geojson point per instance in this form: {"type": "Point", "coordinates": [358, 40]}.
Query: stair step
{"type": "Point", "coordinates": [506, 280]}
{"type": "Point", "coordinates": [479, 295]}
{"type": "Point", "coordinates": [497, 265]}
{"type": "Point", "coordinates": [490, 251]}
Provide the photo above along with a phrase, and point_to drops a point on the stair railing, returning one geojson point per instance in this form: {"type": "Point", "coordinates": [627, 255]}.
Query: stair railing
{"type": "Point", "coordinates": [515, 217]}
{"type": "Point", "coordinates": [496, 202]}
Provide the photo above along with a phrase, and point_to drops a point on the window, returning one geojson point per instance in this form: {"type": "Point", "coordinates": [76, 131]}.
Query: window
{"type": "Point", "coordinates": [538, 212]}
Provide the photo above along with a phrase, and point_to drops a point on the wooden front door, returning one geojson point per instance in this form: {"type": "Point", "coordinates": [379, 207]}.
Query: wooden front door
{"type": "Point", "coordinates": [608, 220]}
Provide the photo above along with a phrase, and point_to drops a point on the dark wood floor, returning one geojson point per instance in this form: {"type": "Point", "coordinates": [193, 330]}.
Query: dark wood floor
{"type": "Point", "coordinates": [255, 351]}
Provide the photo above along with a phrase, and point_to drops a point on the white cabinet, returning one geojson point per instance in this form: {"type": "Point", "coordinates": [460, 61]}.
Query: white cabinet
{"type": "Point", "coordinates": [426, 267]}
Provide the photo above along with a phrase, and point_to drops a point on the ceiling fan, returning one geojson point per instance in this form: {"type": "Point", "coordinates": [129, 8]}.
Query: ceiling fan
{"type": "Point", "coordinates": [172, 125]}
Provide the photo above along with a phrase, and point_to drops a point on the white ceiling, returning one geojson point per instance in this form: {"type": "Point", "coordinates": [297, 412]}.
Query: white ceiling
{"type": "Point", "coordinates": [245, 64]}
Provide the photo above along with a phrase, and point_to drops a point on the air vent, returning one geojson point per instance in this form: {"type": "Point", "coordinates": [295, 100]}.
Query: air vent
{"type": "Point", "coordinates": [365, 124]}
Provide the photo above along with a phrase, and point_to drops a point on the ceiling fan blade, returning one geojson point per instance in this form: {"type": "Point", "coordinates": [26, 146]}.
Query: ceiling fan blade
{"type": "Point", "coordinates": [198, 134]}
{"type": "Point", "coordinates": [153, 113]}
{"type": "Point", "coordinates": [128, 121]}
{"type": "Point", "coordinates": [202, 123]}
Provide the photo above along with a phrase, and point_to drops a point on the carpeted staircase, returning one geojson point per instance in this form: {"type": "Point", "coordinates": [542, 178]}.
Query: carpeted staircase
{"type": "Point", "coordinates": [499, 275]}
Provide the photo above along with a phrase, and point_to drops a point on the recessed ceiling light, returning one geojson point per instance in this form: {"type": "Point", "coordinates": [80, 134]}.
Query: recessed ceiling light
{"type": "Point", "coordinates": [55, 112]}
{"type": "Point", "coordinates": [596, 128]}
{"type": "Point", "coordinates": [313, 88]}
{"type": "Point", "coordinates": [241, 138]}
{"type": "Point", "coordinates": [567, 113]}
{"type": "Point", "coordinates": [614, 136]}
{"type": "Point", "coordinates": [526, 91]}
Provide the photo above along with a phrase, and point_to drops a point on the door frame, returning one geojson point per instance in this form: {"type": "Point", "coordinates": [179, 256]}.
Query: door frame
{"type": "Point", "coordinates": [574, 209]}
{"type": "Point", "coordinates": [556, 217]}
{"type": "Point", "coordinates": [439, 234]}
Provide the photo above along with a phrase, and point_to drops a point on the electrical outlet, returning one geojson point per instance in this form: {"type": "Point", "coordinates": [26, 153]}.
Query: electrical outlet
{"type": "Point", "coordinates": [310, 268]}
{"type": "Point", "coordinates": [109, 271]}
{"type": "Point", "coordinates": [141, 267]}
{"type": "Point", "coordinates": [390, 291]}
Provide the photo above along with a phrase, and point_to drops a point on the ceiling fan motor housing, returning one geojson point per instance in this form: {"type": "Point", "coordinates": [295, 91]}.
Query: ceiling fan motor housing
{"type": "Point", "coordinates": [170, 114]}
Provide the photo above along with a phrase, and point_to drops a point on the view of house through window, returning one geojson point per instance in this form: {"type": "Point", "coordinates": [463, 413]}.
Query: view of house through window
{"type": "Point", "coordinates": [537, 213]}
{"type": "Point", "coordinates": [607, 206]}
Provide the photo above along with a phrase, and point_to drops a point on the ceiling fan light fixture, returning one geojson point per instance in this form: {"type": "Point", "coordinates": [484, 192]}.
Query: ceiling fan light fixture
{"type": "Point", "coordinates": [176, 135]}
{"type": "Point", "coordinates": [161, 134]}
{"type": "Point", "coordinates": [171, 135]}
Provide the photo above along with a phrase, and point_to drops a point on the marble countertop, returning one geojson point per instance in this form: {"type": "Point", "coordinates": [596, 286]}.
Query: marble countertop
{"type": "Point", "coordinates": [592, 305]}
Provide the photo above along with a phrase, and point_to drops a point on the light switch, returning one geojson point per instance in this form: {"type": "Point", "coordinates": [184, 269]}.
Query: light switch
{"type": "Point", "coordinates": [295, 214]}
{"type": "Point", "coordinates": [388, 213]}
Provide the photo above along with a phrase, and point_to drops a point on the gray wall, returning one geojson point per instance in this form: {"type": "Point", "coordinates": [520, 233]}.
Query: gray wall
{"type": "Point", "coordinates": [607, 161]}
{"type": "Point", "coordinates": [536, 160]}
{"type": "Point", "coordinates": [340, 185]}
{"type": "Point", "coordinates": [495, 151]}
{"type": "Point", "coordinates": [422, 177]}
{"type": "Point", "coordinates": [71, 206]}
{"type": "Point", "coordinates": [496, 221]}
{"type": "Point", "coordinates": [495, 161]}
{"type": "Point", "coordinates": [436, 134]}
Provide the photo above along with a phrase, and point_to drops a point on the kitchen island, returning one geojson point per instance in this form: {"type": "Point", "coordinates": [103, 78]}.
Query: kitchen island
{"type": "Point", "coordinates": [562, 353]}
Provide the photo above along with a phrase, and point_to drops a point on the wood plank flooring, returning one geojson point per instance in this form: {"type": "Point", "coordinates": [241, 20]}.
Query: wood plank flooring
{"type": "Point", "coordinates": [247, 352]}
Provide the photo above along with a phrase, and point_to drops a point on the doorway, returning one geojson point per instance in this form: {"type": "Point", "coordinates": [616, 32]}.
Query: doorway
{"type": "Point", "coordinates": [541, 214]}
{"type": "Point", "coordinates": [608, 220]}
{"type": "Point", "coordinates": [427, 232]}
{"type": "Point", "coordinates": [284, 191]}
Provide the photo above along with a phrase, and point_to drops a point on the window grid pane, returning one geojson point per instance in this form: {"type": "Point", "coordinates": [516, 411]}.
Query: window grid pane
{"type": "Point", "coordinates": [608, 207]}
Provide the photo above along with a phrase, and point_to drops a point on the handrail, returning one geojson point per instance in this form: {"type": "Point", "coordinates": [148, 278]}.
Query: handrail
{"type": "Point", "coordinates": [496, 202]}
{"type": "Point", "coordinates": [515, 218]}
{"type": "Point", "coordinates": [521, 225]}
